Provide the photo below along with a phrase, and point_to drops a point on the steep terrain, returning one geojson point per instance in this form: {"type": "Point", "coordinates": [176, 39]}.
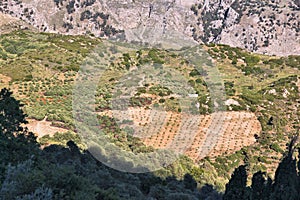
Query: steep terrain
{"type": "Point", "coordinates": [262, 91]}
{"type": "Point", "coordinates": [262, 101]}
{"type": "Point", "coordinates": [268, 26]}
{"type": "Point", "coordinates": [262, 85]}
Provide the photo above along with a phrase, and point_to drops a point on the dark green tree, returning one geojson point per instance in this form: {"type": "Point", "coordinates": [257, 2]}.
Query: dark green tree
{"type": "Point", "coordinates": [11, 114]}
{"type": "Point", "coordinates": [189, 182]}
{"type": "Point", "coordinates": [17, 144]}
{"type": "Point", "coordinates": [208, 192]}
{"type": "Point", "coordinates": [260, 186]}
{"type": "Point", "coordinates": [286, 183]}
{"type": "Point", "coordinates": [298, 165]}
{"type": "Point", "coordinates": [237, 189]}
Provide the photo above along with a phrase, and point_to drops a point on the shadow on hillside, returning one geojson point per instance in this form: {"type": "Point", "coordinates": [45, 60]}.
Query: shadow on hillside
{"type": "Point", "coordinates": [67, 173]}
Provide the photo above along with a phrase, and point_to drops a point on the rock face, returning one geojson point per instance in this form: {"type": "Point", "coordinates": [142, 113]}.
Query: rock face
{"type": "Point", "coordinates": [266, 26]}
{"type": "Point", "coordinates": [271, 27]}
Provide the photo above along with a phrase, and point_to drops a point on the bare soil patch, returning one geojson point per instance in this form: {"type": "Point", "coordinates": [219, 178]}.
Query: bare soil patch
{"type": "Point", "coordinates": [189, 134]}
{"type": "Point", "coordinates": [4, 79]}
{"type": "Point", "coordinates": [42, 128]}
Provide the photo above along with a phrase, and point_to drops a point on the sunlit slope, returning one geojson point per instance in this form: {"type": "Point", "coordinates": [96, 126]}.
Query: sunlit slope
{"type": "Point", "coordinates": [41, 68]}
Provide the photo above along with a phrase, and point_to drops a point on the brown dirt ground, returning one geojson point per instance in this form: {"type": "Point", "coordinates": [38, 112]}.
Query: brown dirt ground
{"type": "Point", "coordinates": [4, 80]}
{"type": "Point", "coordinates": [42, 128]}
{"type": "Point", "coordinates": [194, 135]}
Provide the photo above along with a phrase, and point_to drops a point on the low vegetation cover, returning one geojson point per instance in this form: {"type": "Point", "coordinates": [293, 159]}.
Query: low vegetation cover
{"type": "Point", "coordinates": [40, 70]}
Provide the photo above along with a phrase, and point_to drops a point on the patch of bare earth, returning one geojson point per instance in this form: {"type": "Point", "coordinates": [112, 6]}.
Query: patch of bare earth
{"type": "Point", "coordinates": [42, 128]}
{"type": "Point", "coordinates": [4, 80]}
{"type": "Point", "coordinates": [6, 19]}
{"type": "Point", "coordinates": [196, 136]}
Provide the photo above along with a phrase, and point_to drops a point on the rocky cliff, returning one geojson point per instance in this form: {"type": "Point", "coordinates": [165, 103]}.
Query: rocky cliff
{"type": "Point", "coordinates": [266, 26]}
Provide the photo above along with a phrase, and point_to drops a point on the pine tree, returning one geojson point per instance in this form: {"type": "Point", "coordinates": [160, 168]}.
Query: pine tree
{"type": "Point", "coordinates": [17, 144]}
{"type": "Point", "coordinates": [260, 186]}
{"type": "Point", "coordinates": [11, 114]}
{"type": "Point", "coordinates": [298, 169]}
{"type": "Point", "coordinates": [286, 183]}
{"type": "Point", "coordinates": [189, 182]}
{"type": "Point", "coordinates": [237, 189]}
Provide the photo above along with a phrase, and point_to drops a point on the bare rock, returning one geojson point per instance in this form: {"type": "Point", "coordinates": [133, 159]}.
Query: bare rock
{"type": "Point", "coordinates": [269, 26]}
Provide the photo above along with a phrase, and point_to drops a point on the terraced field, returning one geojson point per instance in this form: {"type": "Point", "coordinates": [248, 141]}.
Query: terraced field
{"type": "Point", "coordinates": [189, 134]}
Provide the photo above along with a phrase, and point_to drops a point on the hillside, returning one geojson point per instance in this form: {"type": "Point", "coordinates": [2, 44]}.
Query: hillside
{"type": "Point", "coordinates": [153, 99]}
{"type": "Point", "coordinates": [261, 92]}
{"type": "Point", "coordinates": [268, 26]}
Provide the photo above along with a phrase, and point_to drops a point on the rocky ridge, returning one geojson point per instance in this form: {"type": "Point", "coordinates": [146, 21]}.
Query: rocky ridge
{"type": "Point", "coordinates": [267, 26]}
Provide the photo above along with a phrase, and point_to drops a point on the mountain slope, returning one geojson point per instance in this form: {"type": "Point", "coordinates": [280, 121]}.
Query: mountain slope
{"type": "Point", "coordinates": [270, 27]}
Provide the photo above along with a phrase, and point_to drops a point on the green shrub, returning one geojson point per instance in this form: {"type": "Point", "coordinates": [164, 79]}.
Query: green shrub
{"type": "Point", "coordinates": [251, 60]}
{"type": "Point", "coordinates": [276, 148]}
